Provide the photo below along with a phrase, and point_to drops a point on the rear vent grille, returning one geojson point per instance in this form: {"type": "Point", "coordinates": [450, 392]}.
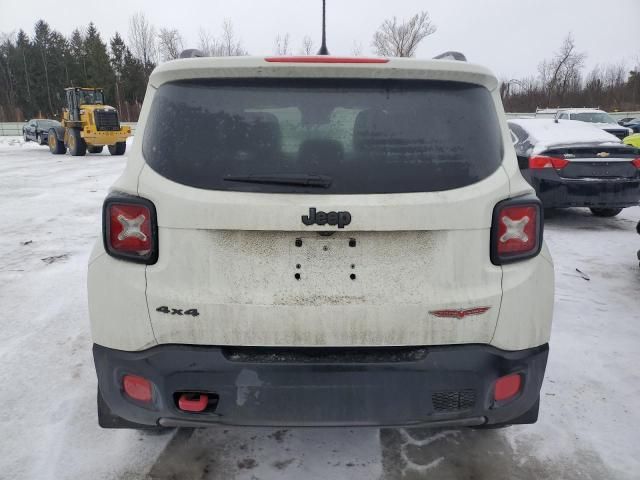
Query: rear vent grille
{"type": "Point", "coordinates": [324, 355]}
{"type": "Point", "coordinates": [453, 401]}
{"type": "Point", "coordinates": [107, 120]}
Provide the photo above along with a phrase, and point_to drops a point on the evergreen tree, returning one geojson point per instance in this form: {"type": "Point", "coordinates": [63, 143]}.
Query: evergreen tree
{"type": "Point", "coordinates": [98, 67]}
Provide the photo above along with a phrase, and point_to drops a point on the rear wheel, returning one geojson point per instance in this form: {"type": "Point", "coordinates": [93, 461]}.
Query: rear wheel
{"type": "Point", "coordinates": [118, 149]}
{"type": "Point", "coordinates": [95, 149]}
{"type": "Point", "coordinates": [40, 139]}
{"type": "Point", "coordinates": [55, 146]}
{"type": "Point", "coordinates": [77, 145]}
{"type": "Point", "coordinates": [605, 212]}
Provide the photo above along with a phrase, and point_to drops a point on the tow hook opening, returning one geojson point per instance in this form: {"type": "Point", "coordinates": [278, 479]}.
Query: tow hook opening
{"type": "Point", "coordinates": [196, 402]}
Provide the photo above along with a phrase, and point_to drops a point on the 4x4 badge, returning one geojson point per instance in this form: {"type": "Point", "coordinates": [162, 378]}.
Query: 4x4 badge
{"type": "Point", "coordinates": [323, 218]}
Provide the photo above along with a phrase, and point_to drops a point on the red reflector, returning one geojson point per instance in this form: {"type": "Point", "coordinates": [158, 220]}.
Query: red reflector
{"type": "Point", "coordinates": [138, 388]}
{"type": "Point", "coordinates": [507, 387]}
{"type": "Point", "coordinates": [193, 402]}
{"type": "Point", "coordinates": [517, 229]}
{"type": "Point", "coordinates": [325, 59]}
{"type": "Point", "coordinates": [542, 161]}
{"type": "Point", "coordinates": [636, 162]}
{"type": "Point", "coordinates": [130, 228]}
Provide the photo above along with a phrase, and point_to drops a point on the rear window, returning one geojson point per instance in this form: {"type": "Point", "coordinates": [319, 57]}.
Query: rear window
{"type": "Point", "coordinates": [358, 136]}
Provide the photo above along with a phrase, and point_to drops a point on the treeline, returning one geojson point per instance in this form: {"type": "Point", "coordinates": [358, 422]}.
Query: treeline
{"type": "Point", "coordinates": [561, 82]}
{"type": "Point", "coordinates": [35, 69]}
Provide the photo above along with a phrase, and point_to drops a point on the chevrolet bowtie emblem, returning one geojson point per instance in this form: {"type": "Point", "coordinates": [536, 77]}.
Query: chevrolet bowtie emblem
{"type": "Point", "coordinates": [602, 154]}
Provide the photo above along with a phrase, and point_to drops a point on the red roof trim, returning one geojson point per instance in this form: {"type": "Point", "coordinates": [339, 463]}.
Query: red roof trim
{"type": "Point", "coordinates": [325, 59]}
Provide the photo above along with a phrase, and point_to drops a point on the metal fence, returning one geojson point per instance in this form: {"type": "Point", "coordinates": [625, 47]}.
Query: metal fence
{"type": "Point", "coordinates": [15, 128]}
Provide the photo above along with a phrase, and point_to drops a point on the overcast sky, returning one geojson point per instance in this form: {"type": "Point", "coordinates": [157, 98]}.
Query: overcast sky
{"type": "Point", "coordinates": [509, 36]}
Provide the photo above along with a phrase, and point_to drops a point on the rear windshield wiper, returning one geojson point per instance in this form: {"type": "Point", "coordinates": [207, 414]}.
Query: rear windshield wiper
{"type": "Point", "coordinates": [306, 180]}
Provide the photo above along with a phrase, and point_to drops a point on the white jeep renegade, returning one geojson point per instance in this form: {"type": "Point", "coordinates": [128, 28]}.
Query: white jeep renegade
{"type": "Point", "coordinates": [320, 241]}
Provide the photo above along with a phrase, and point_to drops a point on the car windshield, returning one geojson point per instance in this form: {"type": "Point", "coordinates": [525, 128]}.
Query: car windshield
{"type": "Point", "coordinates": [48, 123]}
{"type": "Point", "coordinates": [346, 136]}
{"type": "Point", "coordinates": [593, 117]}
{"type": "Point", "coordinates": [90, 97]}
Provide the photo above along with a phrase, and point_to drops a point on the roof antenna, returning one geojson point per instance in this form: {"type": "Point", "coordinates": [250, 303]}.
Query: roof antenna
{"type": "Point", "coordinates": [323, 48]}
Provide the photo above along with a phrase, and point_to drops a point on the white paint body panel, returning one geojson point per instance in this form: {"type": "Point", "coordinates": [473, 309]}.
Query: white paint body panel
{"type": "Point", "coordinates": [232, 255]}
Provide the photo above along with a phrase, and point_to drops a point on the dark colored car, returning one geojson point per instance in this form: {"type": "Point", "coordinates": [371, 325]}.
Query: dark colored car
{"type": "Point", "coordinates": [37, 130]}
{"type": "Point", "coordinates": [625, 120]}
{"type": "Point", "coordinates": [574, 164]}
{"type": "Point", "coordinates": [633, 124]}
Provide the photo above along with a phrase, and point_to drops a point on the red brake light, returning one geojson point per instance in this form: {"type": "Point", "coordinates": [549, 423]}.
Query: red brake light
{"type": "Point", "coordinates": [129, 225]}
{"type": "Point", "coordinates": [137, 388]}
{"type": "Point", "coordinates": [325, 59]}
{"type": "Point", "coordinates": [516, 231]}
{"type": "Point", "coordinates": [636, 162]}
{"type": "Point", "coordinates": [507, 387]}
{"type": "Point", "coordinates": [543, 161]}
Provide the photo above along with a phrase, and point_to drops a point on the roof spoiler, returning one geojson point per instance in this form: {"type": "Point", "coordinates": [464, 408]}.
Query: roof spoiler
{"type": "Point", "coordinates": [451, 55]}
{"type": "Point", "coordinates": [191, 53]}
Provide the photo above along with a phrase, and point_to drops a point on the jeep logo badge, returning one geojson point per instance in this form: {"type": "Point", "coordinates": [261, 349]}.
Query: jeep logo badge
{"type": "Point", "coordinates": [323, 218]}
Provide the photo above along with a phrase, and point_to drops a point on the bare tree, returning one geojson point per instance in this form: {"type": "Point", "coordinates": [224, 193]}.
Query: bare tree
{"type": "Point", "coordinates": [169, 44]}
{"type": "Point", "coordinates": [307, 46]}
{"type": "Point", "coordinates": [401, 39]}
{"type": "Point", "coordinates": [563, 71]}
{"type": "Point", "coordinates": [231, 46]}
{"type": "Point", "coordinates": [356, 50]}
{"type": "Point", "coordinates": [227, 45]}
{"type": "Point", "coordinates": [142, 39]}
{"type": "Point", "coordinates": [281, 45]}
{"type": "Point", "coordinates": [207, 43]}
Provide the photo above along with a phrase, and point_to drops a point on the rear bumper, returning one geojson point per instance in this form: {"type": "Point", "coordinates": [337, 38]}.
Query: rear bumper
{"type": "Point", "coordinates": [561, 192]}
{"type": "Point", "coordinates": [444, 385]}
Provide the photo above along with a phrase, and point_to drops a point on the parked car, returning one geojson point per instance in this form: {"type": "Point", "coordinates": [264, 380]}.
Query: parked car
{"type": "Point", "coordinates": [37, 130]}
{"type": "Point", "coordinates": [598, 118]}
{"type": "Point", "coordinates": [575, 164]}
{"type": "Point", "coordinates": [625, 120]}
{"type": "Point", "coordinates": [633, 140]}
{"type": "Point", "coordinates": [320, 241]}
{"type": "Point", "coordinates": [634, 125]}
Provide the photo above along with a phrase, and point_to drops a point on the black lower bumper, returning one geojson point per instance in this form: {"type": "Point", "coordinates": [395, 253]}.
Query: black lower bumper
{"type": "Point", "coordinates": [564, 192]}
{"type": "Point", "coordinates": [444, 385]}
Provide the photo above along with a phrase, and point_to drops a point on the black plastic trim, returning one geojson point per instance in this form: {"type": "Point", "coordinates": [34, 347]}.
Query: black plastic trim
{"type": "Point", "coordinates": [528, 200]}
{"type": "Point", "coordinates": [321, 393]}
{"type": "Point", "coordinates": [119, 197]}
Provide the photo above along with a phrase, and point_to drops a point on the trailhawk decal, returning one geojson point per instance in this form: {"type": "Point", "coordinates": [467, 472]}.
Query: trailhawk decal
{"type": "Point", "coordinates": [323, 218]}
{"type": "Point", "coordinates": [459, 313]}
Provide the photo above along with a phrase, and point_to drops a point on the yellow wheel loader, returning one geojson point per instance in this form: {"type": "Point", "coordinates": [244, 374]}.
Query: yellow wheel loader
{"type": "Point", "coordinates": [88, 125]}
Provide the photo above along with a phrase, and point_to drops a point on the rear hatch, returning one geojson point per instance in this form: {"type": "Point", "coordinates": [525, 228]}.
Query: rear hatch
{"type": "Point", "coordinates": [312, 212]}
{"type": "Point", "coordinates": [599, 162]}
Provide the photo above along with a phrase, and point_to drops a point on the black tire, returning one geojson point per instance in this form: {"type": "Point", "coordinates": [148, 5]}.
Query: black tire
{"type": "Point", "coordinates": [549, 212]}
{"type": "Point", "coordinates": [40, 140]}
{"type": "Point", "coordinates": [118, 149]}
{"type": "Point", "coordinates": [77, 145]}
{"type": "Point", "coordinates": [605, 212]}
{"type": "Point", "coordinates": [56, 146]}
{"type": "Point", "coordinates": [24, 135]}
{"type": "Point", "coordinates": [95, 149]}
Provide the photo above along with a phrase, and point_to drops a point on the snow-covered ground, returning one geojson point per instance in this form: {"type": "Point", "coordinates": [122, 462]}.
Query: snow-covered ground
{"type": "Point", "coordinates": [589, 425]}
